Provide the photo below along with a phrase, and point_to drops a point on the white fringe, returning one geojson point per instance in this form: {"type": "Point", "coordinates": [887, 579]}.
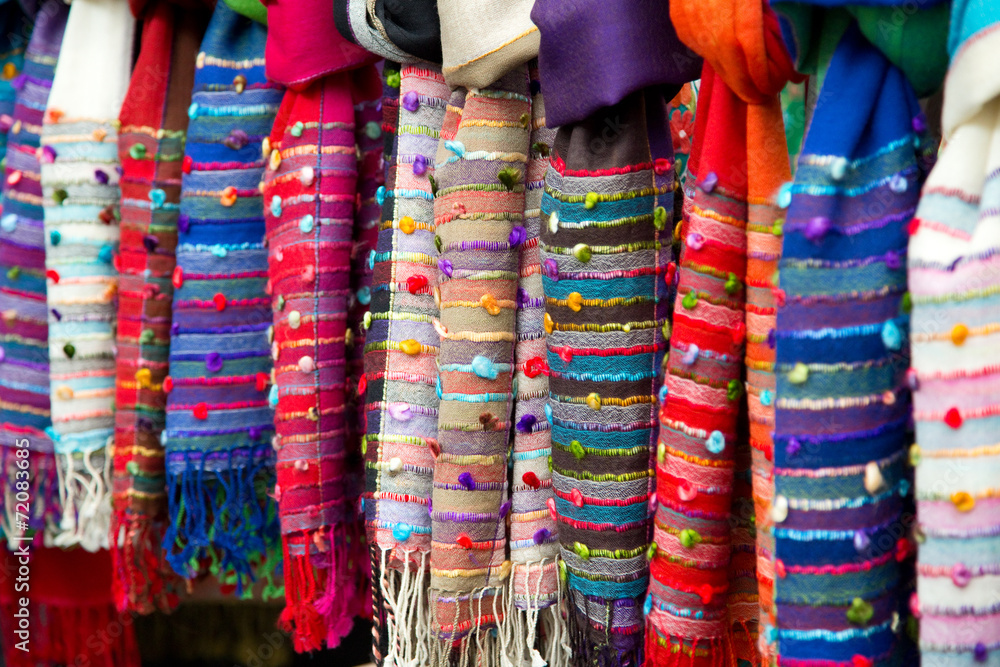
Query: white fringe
{"type": "Point", "coordinates": [85, 496]}
{"type": "Point", "coordinates": [407, 627]}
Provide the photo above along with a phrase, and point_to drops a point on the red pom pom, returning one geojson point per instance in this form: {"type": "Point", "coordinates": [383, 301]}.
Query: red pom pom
{"type": "Point", "coordinates": [220, 302]}
{"type": "Point", "coordinates": [464, 541]}
{"type": "Point", "coordinates": [52, 275]}
{"type": "Point", "coordinates": [953, 418]}
{"type": "Point", "coordinates": [168, 384]}
{"type": "Point", "coordinates": [186, 164]}
{"type": "Point", "coordinates": [531, 479]}
{"type": "Point", "coordinates": [416, 283]}
{"type": "Point", "coordinates": [201, 411]}
{"type": "Point", "coordinates": [178, 278]}
{"type": "Point", "coordinates": [261, 381]}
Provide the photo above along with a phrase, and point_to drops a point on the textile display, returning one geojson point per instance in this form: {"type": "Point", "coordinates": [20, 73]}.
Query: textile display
{"type": "Point", "coordinates": [24, 366]}
{"type": "Point", "coordinates": [79, 180]}
{"type": "Point", "coordinates": [219, 424]}
{"type": "Point", "coordinates": [952, 275]}
{"type": "Point", "coordinates": [842, 491]}
{"type": "Point", "coordinates": [153, 123]}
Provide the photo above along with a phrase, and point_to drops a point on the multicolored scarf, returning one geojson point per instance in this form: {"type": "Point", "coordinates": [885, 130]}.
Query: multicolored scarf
{"type": "Point", "coordinates": [24, 363]}
{"type": "Point", "coordinates": [154, 121]}
{"type": "Point", "coordinates": [321, 215]}
{"type": "Point", "coordinates": [401, 366]}
{"type": "Point", "coordinates": [705, 592]}
{"type": "Point", "coordinates": [607, 211]}
{"type": "Point", "coordinates": [841, 506]}
{"type": "Point", "coordinates": [219, 459]}
{"type": "Point", "coordinates": [79, 179]}
{"type": "Point", "coordinates": [953, 281]}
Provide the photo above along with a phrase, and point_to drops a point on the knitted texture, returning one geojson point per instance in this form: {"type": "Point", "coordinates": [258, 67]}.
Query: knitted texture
{"type": "Point", "coordinates": [24, 373]}
{"type": "Point", "coordinates": [219, 425]}
{"type": "Point", "coordinates": [311, 199]}
{"type": "Point", "coordinates": [607, 211]}
{"type": "Point", "coordinates": [952, 276]}
{"type": "Point", "coordinates": [478, 208]}
{"type": "Point", "coordinates": [840, 508]}
{"type": "Point", "coordinates": [79, 178]}
{"type": "Point", "coordinates": [150, 147]}
{"type": "Point", "coordinates": [401, 364]}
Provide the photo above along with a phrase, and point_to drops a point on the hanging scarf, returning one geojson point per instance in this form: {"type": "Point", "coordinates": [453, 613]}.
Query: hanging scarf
{"type": "Point", "coordinates": [153, 121]}
{"type": "Point", "coordinates": [320, 213]}
{"type": "Point", "coordinates": [401, 368]}
{"type": "Point", "coordinates": [704, 596]}
{"type": "Point", "coordinates": [79, 178]}
{"type": "Point", "coordinates": [952, 273]}
{"type": "Point", "coordinates": [606, 213]}
{"type": "Point", "coordinates": [219, 459]}
{"type": "Point", "coordinates": [71, 611]}
{"type": "Point", "coordinates": [843, 548]}
{"type": "Point", "coordinates": [24, 368]}
{"type": "Point", "coordinates": [16, 26]}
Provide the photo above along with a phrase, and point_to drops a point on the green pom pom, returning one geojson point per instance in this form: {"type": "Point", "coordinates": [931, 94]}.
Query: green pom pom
{"type": "Point", "coordinates": [690, 300]}
{"type": "Point", "coordinates": [510, 177]}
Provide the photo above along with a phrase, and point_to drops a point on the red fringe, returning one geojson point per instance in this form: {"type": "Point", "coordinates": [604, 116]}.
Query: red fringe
{"type": "Point", "coordinates": [142, 580]}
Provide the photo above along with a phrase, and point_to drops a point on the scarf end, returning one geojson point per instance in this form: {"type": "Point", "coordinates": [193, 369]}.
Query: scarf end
{"type": "Point", "coordinates": [666, 650]}
{"type": "Point", "coordinates": [403, 611]}
{"type": "Point", "coordinates": [142, 581]}
{"type": "Point", "coordinates": [28, 505]}
{"type": "Point", "coordinates": [85, 497]}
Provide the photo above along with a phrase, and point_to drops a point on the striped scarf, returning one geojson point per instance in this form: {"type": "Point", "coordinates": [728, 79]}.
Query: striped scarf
{"type": "Point", "coordinates": [705, 595]}
{"type": "Point", "coordinates": [841, 507]}
{"type": "Point", "coordinates": [606, 211]}
{"type": "Point", "coordinates": [79, 178]}
{"type": "Point", "coordinates": [219, 425]}
{"type": "Point", "coordinates": [24, 370]}
{"type": "Point", "coordinates": [320, 211]}
{"type": "Point", "coordinates": [153, 121]}
{"type": "Point", "coordinates": [952, 274]}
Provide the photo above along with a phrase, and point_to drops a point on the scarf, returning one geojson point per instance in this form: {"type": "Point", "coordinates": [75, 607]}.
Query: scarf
{"type": "Point", "coordinates": [71, 611]}
{"type": "Point", "coordinates": [400, 366]}
{"type": "Point", "coordinates": [79, 179]}
{"type": "Point", "coordinates": [399, 32]}
{"type": "Point", "coordinates": [841, 504]}
{"type": "Point", "coordinates": [321, 215]}
{"type": "Point", "coordinates": [952, 262]}
{"type": "Point", "coordinates": [219, 425]}
{"type": "Point", "coordinates": [482, 40]}
{"type": "Point", "coordinates": [153, 121]}
{"type": "Point", "coordinates": [704, 596]}
{"type": "Point", "coordinates": [24, 372]}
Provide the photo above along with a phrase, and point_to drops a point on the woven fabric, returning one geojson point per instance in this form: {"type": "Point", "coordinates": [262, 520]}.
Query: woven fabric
{"type": "Point", "coordinates": [478, 208]}
{"type": "Point", "coordinates": [483, 40]}
{"type": "Point", "coordinates": [534, 542]}
{"type": "Point", "coordinates": [952, 264]}
{"type": "Point", "coordinates": [79, 179]}
{"type": "Point", "coordinates": [401, 363]}
{"type": "Point", "coordinates": [841, 508]}
{"type": "Point", "coordinates": [315, 214]}
{"type": "Point", "coordinates": [153, 122]}
{"type": "Point", "coordinates": [607, 211]}
{"type": "Point", "coordinates": [219, 425]}
{"type": "Point", "coordinates": [24, 371]}
{"type": "Point", "coordinates": [705, 596]}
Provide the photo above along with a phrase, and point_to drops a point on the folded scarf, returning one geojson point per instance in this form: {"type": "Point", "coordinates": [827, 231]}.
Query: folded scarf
{"type": "Point", "coordinates": [705, 596]}
{"type": "Point", "coordinates": [607, 209]}
{"type": "Point", "coordinates": [320, 212]}
{"type": "Point", "coordinates": [219, 425]}
{"type": "Point", "coordinates": [401, 367]}
{"type": "Point", "coordinates": [24, 371]}
{"type": "Point", "coordinates": [153, 120]}
{"type": "Point", "coordinates": [593, 53]}
{"type": "Point", "coordinates": [841, 508]}
{"type": "Point", "coordinates": [79, 178]}
{"type": "Point", "coordinates": [482, 40]}
{"type": "Point", "coordinates": [401, 32]}
{"type": "Point", "coordinates": [952, 274]}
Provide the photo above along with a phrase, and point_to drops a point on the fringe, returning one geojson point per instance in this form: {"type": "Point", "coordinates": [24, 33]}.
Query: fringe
{"type": "Point", "coordinates": [142, 580]}
{"type": "Point", "coordinates": [96, 636]}
{"type": "Point", "coordinates": [85, 498]}
{"type": "Point", "coordinates": [42, 508]}
{"type": "Point", "coordinates": [406, 617]}
{"type": "Point", "coordinates": [595, 647]}
{"type": "Point", "coordinates": [226, 516]}
{"type": "Point", "coordinates": [309, 616]}
{"type": "Point", "coordinates": [685, 652]}
{"type": "Point", "coordinates": [540, 634]}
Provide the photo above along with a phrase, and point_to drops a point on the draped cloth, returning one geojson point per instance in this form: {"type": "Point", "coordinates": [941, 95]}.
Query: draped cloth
{"type": "Point", "coordinates": [842, 509]}
{"type": "Point", "coordinates": [219, 425]}
{"type": "Point", "coordinates": [24, 370]}
{"type": "Point", "coordinates": [321, 219]}
{"type": "Point", "coordinates": [79, 178]}
{"type": "Point", "coordinates": [952, 264]}
{"type": "Point", "coordinates": [153, 124]}
{"type": "Point", "coordinates": [704, 595]}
